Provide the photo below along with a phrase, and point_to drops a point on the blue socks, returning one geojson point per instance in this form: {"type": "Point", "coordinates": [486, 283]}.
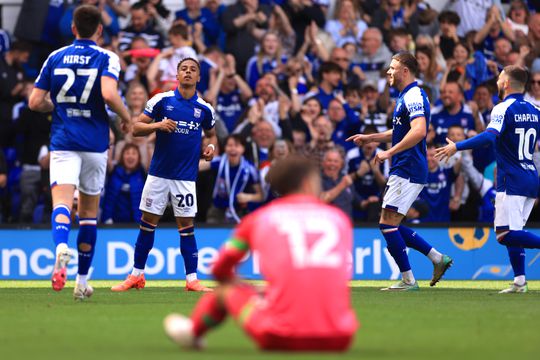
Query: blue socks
{"type": "Point", "coordinates": [145, 243]}
{"type": "Point", "coordinates": [414, 241]}
{"type": "Point", "coordinates": [188, 248]}
{"type": "Point", "coordinates": [521, 238]}
{"type": "Point", "coordinates": [86, 242]}
{"type": "Point", "coordinates": [396, 246]}
{"type": "Point", "coordinates": [517, 259]}
{"type": "Point", "coordinates": [60, 225]}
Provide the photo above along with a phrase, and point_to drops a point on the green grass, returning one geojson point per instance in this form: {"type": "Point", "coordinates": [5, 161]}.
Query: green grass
{"type": "Point", "coordinates": [455, 320]}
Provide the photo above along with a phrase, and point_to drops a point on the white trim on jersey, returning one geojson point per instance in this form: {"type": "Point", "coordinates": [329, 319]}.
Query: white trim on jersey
{"type": "Point", "coordinates": [150, 104]}
{"type": "Point", "coordinates": [46, 61]}
{"type": "Point", "coordinates": [414, 101]}
{"type": "Point", "coordinates": [498, 114]}
{"type": "Point", "coordinates": [212, 111]}
{"type": "Point", "coordinates": [114, 60]}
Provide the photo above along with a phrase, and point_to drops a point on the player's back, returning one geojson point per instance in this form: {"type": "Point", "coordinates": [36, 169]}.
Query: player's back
{"type": "Point", "coordinates": [516, 121]}
{"type": "Point", "coordinates": [72, 75]}
{"type": "Point", "coordinates": [304, 248]}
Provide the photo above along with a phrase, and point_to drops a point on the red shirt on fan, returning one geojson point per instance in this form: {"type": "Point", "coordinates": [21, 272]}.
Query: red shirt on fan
{"type": "Point", "coordinates": [304, 248]}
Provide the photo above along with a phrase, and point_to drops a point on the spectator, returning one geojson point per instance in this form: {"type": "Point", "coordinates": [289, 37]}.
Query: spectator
{"type": "Point", "coordinates": [453, 111]}
{"type": "Point", "coordinates": [430, 73]}
{"type": "Point", "coordinates": [368, 179]}
{"type": "Point", "coordinates": [533, 95]}
{"type": "Point", "coordinates": [439, 185]}
{"type": "Point", "coordinates": [374, 56]}
{"type": "Point", "coordinates": [303, 121]}
{"type": "Point", "coordinates": [269, 58]}
{"type": "Point", "coordinates": [3, 183]}
{"type": "Point", "coordinates": [485, 188]}
{"type": "Point", "coordinates": [141, 57]}
{"type": "Point", "coordinates": [472, 14]}
{"type": "Point", "coordinates": [237, 183]}
{"type": "Point", "coordinates": [136, 98]}
{"type": "Point", "coordinates": [279, 150]}
{"type": "Point", "coordinates": [329, 81]}
{"type": "Point", "coordinates": [11, 87]}
{"type": "Point", "coordinates": [400, 40]}
{"type": "Point", "coordinates": [261, 139]}
{"type": "Point", "coordinates": [321, 141]}
{"type": "Point", "coordinates": [244, 22]}
{"type": "Point", "coordinates": [140, 26]}
{"type": "Point", "coordinates": [194, 14]}
{"type": "Point", "coordinates": [229, 94]}
{"type": "Point", "coordinates": [483, 100]}
{"type": "Point", "coordinates": [448, 38]}
{"type": "Point", "coordinates": [346, 25]}
{"type": "Point", "coordinates": [304, 14]}
{"type": "Point", "coordinates": [280, 25]}
{"type": "Point", "coordinates": [212, 59]}
{"type": "Point", "coordinates": [344, 126]}
{"type": "Point", "coordinates": [124, 188]}
{"type": "Point", "coordinates": [162, 71]}
{"type": "Point", "coordinates": [373, 110]}
{"type": "Point", "coordinates": [109, 20]}
{"type": "Point", "coordinates": [350, 75]}
{"type": "Point", "coordinates": [518, 17]}
{"type": "Point", "coordinates": [337, 188]}
{"type": "Point", "coordinates": [494, 28]}
{"type": "Point", "coordinates": [394, 14]}
{"type": "Point", "coordinates": [160, 15]}
{"type": "Point", "coordinates": [32, 130]}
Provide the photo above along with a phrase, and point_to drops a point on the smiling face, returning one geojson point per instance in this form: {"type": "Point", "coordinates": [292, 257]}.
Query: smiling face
{"type": "Point", "coordinates": [270, 44]}
{"type": "Point", "coordinates": [332, 164]}
{"type": "Point", "coordinates": [131, 158]}
{"type": "Point", "coordinates": [395, 74]}
{"type": "Point", "coordinates": [461, 54]}
{"type": "Point", "coordinates": [188, 73]}
{"type": "Point", "coordinates": [423, 61]}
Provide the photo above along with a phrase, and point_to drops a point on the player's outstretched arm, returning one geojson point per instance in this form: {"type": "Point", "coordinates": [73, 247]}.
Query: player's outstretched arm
{"type": "Point", "coordinates": [361, 139]}
{"type": "Point", "coordinates": [109, 91]}
{"type": "Point", "coordinates": [480, 140]}
{"type": "Point", "coordinates": [40, 101]}
{"type": "Point", "coordinates": [145, 126]}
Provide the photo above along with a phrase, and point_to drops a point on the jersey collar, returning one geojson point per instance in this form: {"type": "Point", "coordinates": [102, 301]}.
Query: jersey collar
{"type": "Point", "coordinates": [514, 96]}
{"type": "Point", "coordinates": [180, 97]}
{"type": "Point", "coordinates": [411, 85]}
{"type": "Point", "coordinates": [84, 42]}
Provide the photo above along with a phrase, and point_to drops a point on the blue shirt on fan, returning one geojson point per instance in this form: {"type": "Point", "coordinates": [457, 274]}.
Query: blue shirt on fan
{"type": "Point", "coordinates": [176, 155]}
{"type": "Point", "coordinates": [441, 120]}
{"type": "Point", "coordinates": [515, 122]}
{"type": "Point", "coordinates": [412, 163]}
{"type": "Point", "coordinates": [436, 194]}
{"type": "Point", "coordinates": [72, 75]}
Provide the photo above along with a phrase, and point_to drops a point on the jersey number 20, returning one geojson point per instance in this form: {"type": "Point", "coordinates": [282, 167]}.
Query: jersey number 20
{"type": "Point", "coordinates": [322, 252]}
{"type": "Point", "coordinates": [525, 142]}
{"type": "Point", "coordinates": [70, 79]}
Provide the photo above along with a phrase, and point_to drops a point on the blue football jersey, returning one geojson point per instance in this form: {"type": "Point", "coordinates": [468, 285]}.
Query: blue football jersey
{"type": "Point", "coordinates": [515, 122]}
{"type": "Point", "coordinates": [176, 155]}
{"type": "Point", "coordinates": [441, 120]}
{"type": "Point", "coordinates": [412, 163]}
{"type": "Point", "coordinates": [72, 75]}
{"type": "Point", "coordinates": [437, 194]}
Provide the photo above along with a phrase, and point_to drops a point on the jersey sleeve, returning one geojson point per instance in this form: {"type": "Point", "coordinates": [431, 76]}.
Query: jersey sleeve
{"type": "Point", "coordinates": [414, 102]}
{"type": "Point", "coordinates": [153, 107]}
{"type": "Point", "coordinates": [496, 125]}
{"type": "Point", "coordinates": [43, 81]}
{"type": "Point", "coordinates": [112, 66]}
{"type": "Point", "coordinates": [209, 120]}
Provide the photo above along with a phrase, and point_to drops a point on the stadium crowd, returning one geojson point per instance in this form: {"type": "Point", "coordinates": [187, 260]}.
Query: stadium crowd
{"type": "Point", "coordinates": [284, 77]}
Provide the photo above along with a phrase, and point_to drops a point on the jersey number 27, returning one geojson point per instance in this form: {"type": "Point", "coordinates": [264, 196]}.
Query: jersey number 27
{"type": "Point", "coordinates": [70, 80]}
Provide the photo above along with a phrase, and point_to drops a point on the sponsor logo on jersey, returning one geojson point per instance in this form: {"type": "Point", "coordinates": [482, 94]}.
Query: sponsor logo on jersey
{"type": "Point", "coordinates": [170, 108]}
{"type": "Point", "coordinates": [148, 202]}
{"type": "Point", "coordinates": [197, 113]}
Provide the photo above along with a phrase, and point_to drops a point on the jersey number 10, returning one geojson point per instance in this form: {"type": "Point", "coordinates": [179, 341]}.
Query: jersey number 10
{"type": "Point", "coordinates": [525, 142]}
{"type": "Point", "coordinates": [70, 80]}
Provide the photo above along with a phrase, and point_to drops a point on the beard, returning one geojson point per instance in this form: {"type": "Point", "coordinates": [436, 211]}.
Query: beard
{"type": "Point", "coordinates": [501, 94]}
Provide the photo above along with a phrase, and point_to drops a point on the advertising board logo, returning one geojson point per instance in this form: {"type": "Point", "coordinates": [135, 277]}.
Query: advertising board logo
{"type": "Point", "coordinates": [469, 238]}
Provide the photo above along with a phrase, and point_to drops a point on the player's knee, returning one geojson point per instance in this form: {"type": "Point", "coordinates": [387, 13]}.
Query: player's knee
{"type": "Point", "coordinates": [85, 247]}
{"type": "Point", "coordinates": [501, 235]}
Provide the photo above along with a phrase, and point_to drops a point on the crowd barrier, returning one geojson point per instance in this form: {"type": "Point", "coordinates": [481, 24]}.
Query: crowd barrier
{"type": "Point", "coordinates": [29, 254]}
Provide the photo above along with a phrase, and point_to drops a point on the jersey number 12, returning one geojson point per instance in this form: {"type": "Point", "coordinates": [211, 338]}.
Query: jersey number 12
{"type": "Point", "coordinates": [70, 80]}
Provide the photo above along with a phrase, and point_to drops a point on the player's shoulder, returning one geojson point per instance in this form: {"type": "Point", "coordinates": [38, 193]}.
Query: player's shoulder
{"type": "Point", "coordinates": [414, 94]}
{"type": "Point", "coordinates": [502, 107]}
{"type": "Point", "coordinates": [104, 52]}
{"type": "Point", "coordinates": [205, 104]}
{"type": "Point", "coordinates": [157, 99]}
{"type": "Point", "coordinates": [59, 52]}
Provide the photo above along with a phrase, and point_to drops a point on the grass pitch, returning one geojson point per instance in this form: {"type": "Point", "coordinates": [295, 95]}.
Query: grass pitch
{"type": "Point", "coordinates": [455, 320]}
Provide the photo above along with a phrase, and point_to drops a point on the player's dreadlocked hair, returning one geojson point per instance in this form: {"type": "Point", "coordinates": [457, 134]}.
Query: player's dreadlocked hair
{"type": "Point", "coordinates": [287, 175]}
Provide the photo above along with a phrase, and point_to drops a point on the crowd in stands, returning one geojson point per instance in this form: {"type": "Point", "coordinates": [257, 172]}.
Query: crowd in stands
{"type": "Point", "coordinates": [284, 76]}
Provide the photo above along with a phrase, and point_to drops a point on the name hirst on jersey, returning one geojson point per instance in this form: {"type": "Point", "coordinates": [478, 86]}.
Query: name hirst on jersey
{"type": "Point", "coordinates": [76, 59]}
{"type": "Point", "coordinates": [525, 118]}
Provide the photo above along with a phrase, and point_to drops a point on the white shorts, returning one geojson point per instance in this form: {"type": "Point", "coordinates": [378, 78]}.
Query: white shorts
{"type": "Point", "coordinates": [512, 211]}
{"type": "Point", "coordinates": [400, 194]}
{"type": "Point", "coordinates": [157, 192]}
{"type": "Point", "coordinates": [85, 170]}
